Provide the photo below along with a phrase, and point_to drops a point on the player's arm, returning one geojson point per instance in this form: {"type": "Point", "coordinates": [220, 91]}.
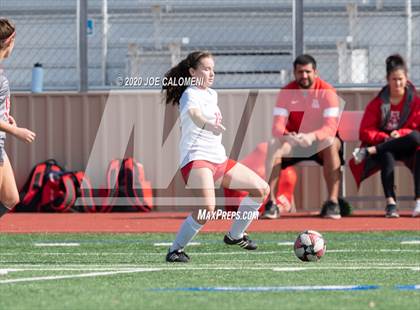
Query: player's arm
{"type": "Point", "coordinates": [369, 127]}
{"type": "Point", "coordinates": [281, 114]}
{"type": "Point", "coordinates": [280, 118]}
{"type": "Point", "coordinates": [330, 114]}
{"type": "Point", "coordinates": [21, 133]}
{"type": "Point", "coordinates": [10, 126]}
{"type": "Point", "coordinates": [200, 121]}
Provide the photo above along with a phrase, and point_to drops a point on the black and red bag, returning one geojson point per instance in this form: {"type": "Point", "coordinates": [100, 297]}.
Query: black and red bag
{"type": "Point", "coordinates": [67, 192]}
{"type": "Point", "coordinates": [31, 192]}
{"type": "Point", "coordinates": [125, 179]}
{"type": "Point", "coordinates": [84, 192]}
{"type": "Point", "coordinates": [58, 192]}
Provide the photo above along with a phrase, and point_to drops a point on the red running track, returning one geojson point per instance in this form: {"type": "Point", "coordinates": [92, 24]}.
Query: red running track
{"type": "Point", "coordinates": [170, 222]}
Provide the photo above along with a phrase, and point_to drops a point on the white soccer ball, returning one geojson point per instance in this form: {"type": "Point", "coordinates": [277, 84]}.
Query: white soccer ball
{"type": "Point", "coordinates": [310, 246]}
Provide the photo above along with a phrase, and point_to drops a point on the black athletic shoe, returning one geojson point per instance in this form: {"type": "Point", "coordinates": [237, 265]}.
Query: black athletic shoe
{"type": "Point", "coordinates": [177, 256]}
{"type": "Point", "coordinates": [271, 211]}
{"type": "Point", "coordinates": [391, 211]}
{"type": "Point", "coordinates": [330, 210]}
{"type": "Point", "coordinates": [346, 208]}
{"type": "Point", "coordinates": [243, 242]}
{"type": "Point", "coordinates": [3, 210]}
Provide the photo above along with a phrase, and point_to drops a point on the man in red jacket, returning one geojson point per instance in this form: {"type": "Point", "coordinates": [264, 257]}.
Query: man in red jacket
{"type": "Point", "coordinates": [305, 124]}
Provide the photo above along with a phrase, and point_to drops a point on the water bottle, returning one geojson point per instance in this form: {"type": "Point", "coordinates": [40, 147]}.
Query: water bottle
{"type": "Point", "coordinates": [37, 78]}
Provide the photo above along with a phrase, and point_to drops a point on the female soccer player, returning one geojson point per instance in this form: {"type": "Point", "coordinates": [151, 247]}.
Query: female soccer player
{"type": "Point", "coordinates": [203, 158]}
{"type": "Point", "coordinates": [390, 131]}
{"type": "Point", "coordinates": [9, 195]}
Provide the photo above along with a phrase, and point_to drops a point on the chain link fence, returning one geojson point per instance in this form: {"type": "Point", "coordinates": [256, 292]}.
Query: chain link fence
{"type": "Point", "coordinates": [46, 34]}
{"type": "Point", "coordinates": [252, 41]}
{"type": "Point", "coordinates": [352, 39]}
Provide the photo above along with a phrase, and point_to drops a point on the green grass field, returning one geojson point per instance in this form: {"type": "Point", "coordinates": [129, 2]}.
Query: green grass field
{"type": "Point", "coordinates": [127, 271]}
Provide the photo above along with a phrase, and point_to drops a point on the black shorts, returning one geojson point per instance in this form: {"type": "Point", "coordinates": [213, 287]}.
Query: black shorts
{"type": "Point", "coordinates": [298, 150]}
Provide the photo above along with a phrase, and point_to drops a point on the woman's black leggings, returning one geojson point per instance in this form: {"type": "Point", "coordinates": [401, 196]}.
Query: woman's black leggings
{"type": "Point", "coordinates": [398, 149]}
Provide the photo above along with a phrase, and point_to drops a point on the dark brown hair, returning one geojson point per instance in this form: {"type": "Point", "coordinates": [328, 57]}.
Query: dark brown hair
{"type": "Point", "coordinates": [6, 30]}
{"type": "Point", "coordinates": [303, 60]}
{"type": "Point", "coordinates": [173, 93]}
{"type": "Point", "coordinates": [395, 62]}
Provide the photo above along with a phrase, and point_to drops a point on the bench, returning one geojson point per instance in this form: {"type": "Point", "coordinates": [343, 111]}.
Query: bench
{"type": "Point", "coordinates": [349, 132]}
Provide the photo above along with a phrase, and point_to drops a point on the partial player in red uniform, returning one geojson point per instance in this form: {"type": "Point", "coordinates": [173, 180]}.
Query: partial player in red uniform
{"type": "Point", "coordinates": [305, 124]}
{"type": "Point", "coordinates": [389, 131]}
{"type": "Point", "coordinates": [9, 195]}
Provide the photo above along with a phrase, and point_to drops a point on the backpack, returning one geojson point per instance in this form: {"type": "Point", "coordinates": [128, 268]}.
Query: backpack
{"type": "Point", "coordinates": [125, 179]}
{"type": "Point", "coordinates": [31, 192]}
{"type": "Point", "coordinates": [58, 192]}
{"type": "Point", "coordinates": [84, 191]}
{"type": "Point", "coordinates": [61, 190]}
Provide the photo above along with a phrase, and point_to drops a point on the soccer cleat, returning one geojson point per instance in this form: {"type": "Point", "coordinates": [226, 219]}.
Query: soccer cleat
{"type": "Point", "coordinates": [391, 211]}
{"type": "Point", "coordinates": [271, 211]}
{"type": "Point", "coordinates": [359, 154]}
{"type": "Point", "coordinates": [177, 256]}
{"type": "Point", "coordinates": [416, 211]}
{"type": "Point", "coordinates": [243, 242]}
{"type": "Point", "coordinates": [330, 210]}
{"type": "Point", "coordinates": [3, 209]}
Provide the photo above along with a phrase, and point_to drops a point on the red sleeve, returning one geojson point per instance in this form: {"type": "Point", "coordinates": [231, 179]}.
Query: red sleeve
{"type": "Point", "coordinates": [369, 127]}
{"type": "Point", "coordinates": [281, 114]}
{"type": "Point", "coordinates": [331, 115]}
{"type": "Point", "coordinates": [404, 131]}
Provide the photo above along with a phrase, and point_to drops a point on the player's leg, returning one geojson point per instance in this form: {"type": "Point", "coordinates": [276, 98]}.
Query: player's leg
{"type": "Point", "coordinates": [275, 152]}
{"type": "Point", "coordinates": [387, 163]}
{"type": "Point", "coordinates": [201, 183]}
{"type": "Point", "coordinates": [416, 211]}
{"type": "Point", "coordinates": [331, 169]}
{"type": "Point", "coordinates": [9, 195]}
{"type": "Point", "coordinates": [402, 145]}
{"type": "Point", "coordinates": [242, 178]}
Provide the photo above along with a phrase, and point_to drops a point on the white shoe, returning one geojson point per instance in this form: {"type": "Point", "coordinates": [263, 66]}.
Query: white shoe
{"type": "Point", "coordinates": [359, 154]}
{"type": "Point", "coordinates": [416, 211]}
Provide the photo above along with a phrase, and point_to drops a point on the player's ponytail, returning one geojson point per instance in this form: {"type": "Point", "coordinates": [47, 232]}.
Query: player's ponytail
{"type": "Point", "coordinates": [7, 32]}
{"type": "Point", "coordinates": [173, 90]}
{"type": "Point", "coordinates": [395, 62]}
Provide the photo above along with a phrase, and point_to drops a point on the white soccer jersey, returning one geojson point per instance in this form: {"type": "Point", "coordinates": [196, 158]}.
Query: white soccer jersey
{"type": "Point", "coordinates": [197, 143]}
{"type": "Point", "coordinates": [4, 100]}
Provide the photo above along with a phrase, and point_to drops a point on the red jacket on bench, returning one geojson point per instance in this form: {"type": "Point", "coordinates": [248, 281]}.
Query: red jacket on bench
{"type": "Point", "coordinates": [372, 130]}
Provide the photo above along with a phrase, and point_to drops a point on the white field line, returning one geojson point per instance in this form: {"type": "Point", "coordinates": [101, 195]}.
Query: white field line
{"type": "Point", "coordinates": [286, 243]}
{"type": "Point", "coordinates": [63, 244]}
{"type": "Point", "coordinates": [372, 250]}
{"type": "Point", "coordinates": [75, 276]}
{"type": "Point", "coordinates": [411, 242]}
{"type": "Point", "coordinates": [170, 243]}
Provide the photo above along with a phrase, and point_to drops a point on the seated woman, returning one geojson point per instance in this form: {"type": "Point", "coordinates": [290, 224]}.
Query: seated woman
{"type": "Point", "coordinates": [389, 131]}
